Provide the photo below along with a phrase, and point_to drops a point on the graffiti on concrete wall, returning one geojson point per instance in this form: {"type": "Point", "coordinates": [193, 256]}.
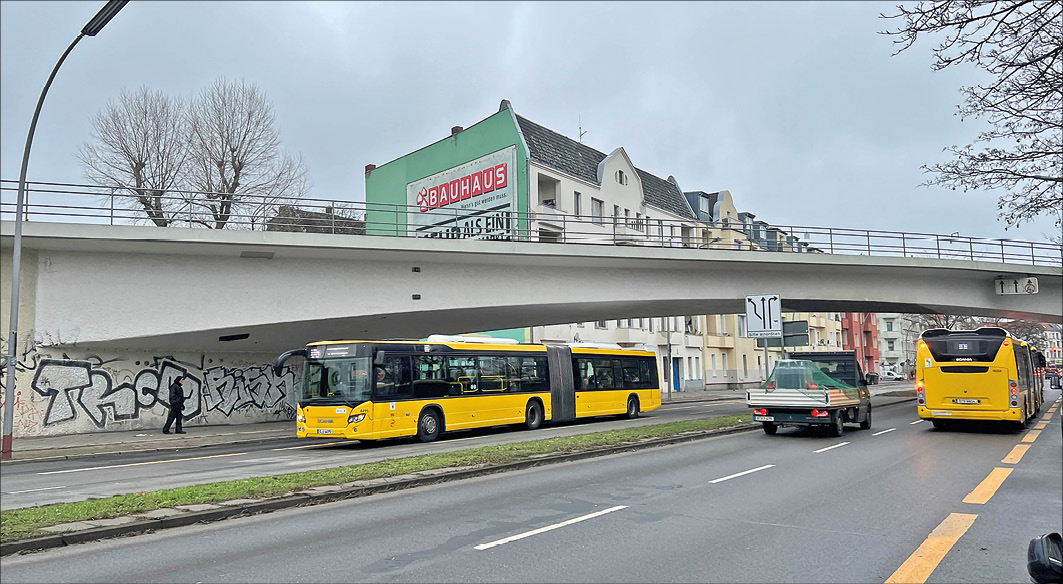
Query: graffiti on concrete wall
{"type": "Point", "coordinates": [83, 387]}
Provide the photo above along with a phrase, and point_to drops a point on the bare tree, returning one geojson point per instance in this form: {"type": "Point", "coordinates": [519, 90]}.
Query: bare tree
{"type": "Point", "coordinates": [236, 160]}
{"type": "Point", "coordinates": [139, 150]}
{"type": "Point", "coordinates": [1020, 44]}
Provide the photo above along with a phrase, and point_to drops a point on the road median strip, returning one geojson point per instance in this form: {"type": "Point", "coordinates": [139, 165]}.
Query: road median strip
{"type": "Point", "coordinates": [27, 529]}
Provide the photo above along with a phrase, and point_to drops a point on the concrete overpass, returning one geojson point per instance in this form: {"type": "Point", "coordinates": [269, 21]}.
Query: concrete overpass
{"type": "Point", "coordinates": [148, 288]}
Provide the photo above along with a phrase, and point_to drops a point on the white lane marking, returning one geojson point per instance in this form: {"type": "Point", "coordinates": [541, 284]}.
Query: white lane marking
{"type": "Point", "coordinates": [51, 472]}
{"type": "Point", "coordinates": [883, 432]}
{"type": "Point", "coordinates": [310, 445]}
{"type": "Point", "coordinates": [915, 422]}
{"type": "Point", "coordinates": [33, 490]}
{"type": "Point", "coordinates": [838, 445]}
{"type": "Point", "coordinates": [497, 542]}
{"type": "Point", "coordinates": [745, 472]}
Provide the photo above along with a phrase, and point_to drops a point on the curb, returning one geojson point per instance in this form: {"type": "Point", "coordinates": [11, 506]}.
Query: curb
{"type": "Point", "coordinates": [136, 451]}
{"type": "Point", "coordinates": [306, 498]}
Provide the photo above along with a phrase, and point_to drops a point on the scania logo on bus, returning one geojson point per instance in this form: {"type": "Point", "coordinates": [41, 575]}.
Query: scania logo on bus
{"type": "Point", "coordinates": [324, 421]}
{"type": "Point", "coordinates": [459, 189]}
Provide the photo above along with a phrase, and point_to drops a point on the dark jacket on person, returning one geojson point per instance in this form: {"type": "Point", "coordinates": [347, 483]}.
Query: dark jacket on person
{"type": "Point", "coordinates": [177, 396]}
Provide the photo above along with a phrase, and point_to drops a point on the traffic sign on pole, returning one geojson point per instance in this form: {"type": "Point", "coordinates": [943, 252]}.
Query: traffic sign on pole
{"type": "Point", "coordinates": [763, 316]}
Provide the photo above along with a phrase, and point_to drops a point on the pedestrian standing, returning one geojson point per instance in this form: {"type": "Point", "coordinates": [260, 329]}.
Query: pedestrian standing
{"type": "Point", "coordinates": [177, 404]}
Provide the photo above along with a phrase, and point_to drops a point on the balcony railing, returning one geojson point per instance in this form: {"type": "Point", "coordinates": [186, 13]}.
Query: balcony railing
{"type": "Point", "coordinates": [70, 203]}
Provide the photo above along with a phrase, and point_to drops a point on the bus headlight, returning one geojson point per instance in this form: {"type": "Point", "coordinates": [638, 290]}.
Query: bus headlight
{"type": "Point", "coordinates": [300, 418]}
{"type": "Point", "coordinates": [355, 418]}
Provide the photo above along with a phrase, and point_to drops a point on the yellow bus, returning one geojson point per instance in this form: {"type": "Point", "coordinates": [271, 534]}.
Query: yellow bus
{"type": "Point", "coordinates": [369, 390]}
{"type": "Point", "coordinates": [984, 374]}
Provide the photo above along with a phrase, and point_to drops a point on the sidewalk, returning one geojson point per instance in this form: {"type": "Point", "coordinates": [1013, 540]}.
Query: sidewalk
{"type": "Point", "coordinates": [153, 440]}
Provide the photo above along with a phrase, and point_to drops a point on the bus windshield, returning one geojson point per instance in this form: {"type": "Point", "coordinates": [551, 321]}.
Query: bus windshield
{"type": "Point", "coordinates": [337, 381]}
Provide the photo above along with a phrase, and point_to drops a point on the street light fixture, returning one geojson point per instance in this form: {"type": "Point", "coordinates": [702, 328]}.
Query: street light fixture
{"type": "Point", "coordinates": [94, 26]}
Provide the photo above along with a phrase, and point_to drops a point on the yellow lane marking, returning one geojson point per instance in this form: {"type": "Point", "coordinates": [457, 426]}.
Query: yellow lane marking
{"type": "Point", "coordinates": [1040, 426]}
{"type": "Point", "coordinates": [140, 463]}
{"type": "Point", "coordinates": [311, 445]}
{"type": "Point", "coordinates": [1031, 436]}
{"type": "Point", "coordinates": [1016, 453]}
{"type": "Point", "coordinates": [918, 567]}
{"type": "Point", "coordinates": [985, 490]}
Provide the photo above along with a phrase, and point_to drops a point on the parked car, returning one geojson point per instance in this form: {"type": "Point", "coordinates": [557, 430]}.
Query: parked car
{"type": "Point", "coordinates": [892, 376]}
{"type": "Point", "coordinates": [871, 377]}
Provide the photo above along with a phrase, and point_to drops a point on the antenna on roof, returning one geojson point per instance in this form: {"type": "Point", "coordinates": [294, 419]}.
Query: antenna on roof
{"type": "Point", "coordinates": [581, 132]}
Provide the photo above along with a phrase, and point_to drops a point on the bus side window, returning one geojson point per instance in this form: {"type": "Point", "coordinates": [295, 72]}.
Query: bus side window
{"type": "Point", "coordinates": [393, 379]}
{"type": "Point", "coordinates": [648, 372]}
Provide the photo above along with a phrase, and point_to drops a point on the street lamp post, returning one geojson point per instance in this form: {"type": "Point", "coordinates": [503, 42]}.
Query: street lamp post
{"type": "Point", "coordinates": [94, 26]}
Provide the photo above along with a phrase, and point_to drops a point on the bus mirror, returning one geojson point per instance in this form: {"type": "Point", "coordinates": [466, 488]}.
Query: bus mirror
{"type": "Point", "coordinates": [378, 359]}
{"type": "Point", "coordinates": [278, 367]}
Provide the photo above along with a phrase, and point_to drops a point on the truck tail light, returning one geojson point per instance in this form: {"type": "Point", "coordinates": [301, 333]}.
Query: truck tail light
{"type": "Point", "coordinates": [820, 413]}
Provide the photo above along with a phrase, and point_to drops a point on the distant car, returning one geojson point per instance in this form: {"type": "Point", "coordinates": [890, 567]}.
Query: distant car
{"type": "Point", "coordinates": [872, 378]}
{"type": "Point", "coordinates": [892, 376]}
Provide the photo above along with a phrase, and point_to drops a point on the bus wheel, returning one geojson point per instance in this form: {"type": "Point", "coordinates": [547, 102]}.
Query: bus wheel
{"type": "Point", "coordinates": [428, 426]}
{"type": "Point", "coordinates": [533, 417]}
{"type": "Point", "coordinates": [939, 424]}
{"type": "Point", "coordinates": [632, 407]}
{"type": "Point", "coordinates": [770, 428]}
{"type": "Point", "coordinates": [866, 424]}
{"type": "Point", "coordinates": [838, 424]}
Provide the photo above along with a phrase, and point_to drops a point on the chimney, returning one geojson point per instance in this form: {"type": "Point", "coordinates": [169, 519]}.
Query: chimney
{"type": "Point", "coordinates": [369, 168]}
{"type": "Point", "coordinates": [454, 131]}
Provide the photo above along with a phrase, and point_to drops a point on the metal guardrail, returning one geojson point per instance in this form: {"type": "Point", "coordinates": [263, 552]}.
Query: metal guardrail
{"type": "Point", "coordinates": [71, 203]}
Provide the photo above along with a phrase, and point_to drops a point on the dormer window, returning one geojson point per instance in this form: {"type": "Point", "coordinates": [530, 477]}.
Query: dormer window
{"type": "Point", "coordinates": [621, 177]}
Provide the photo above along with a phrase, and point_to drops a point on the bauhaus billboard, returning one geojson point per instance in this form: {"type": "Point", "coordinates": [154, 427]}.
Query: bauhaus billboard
{"type": "Point", "coordinates": [476, 200]}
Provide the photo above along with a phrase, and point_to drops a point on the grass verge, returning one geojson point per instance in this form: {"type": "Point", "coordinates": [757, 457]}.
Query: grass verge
{"type": "Point", "coordinates": [18, 524]}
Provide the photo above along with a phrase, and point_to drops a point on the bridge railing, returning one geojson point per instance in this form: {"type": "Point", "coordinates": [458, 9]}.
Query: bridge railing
{"type": "Point", "coordinates": [72, 203]}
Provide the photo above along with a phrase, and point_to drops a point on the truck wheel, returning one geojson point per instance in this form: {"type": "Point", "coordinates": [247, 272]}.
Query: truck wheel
{"type": "Point", "coordinates": [837, 424]}
{"type": "Point", "coordinates": [866, 424]}
{"type": "Point", "coordinates": [770, 428]}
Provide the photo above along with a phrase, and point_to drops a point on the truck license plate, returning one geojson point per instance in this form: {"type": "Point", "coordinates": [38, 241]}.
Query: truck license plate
{"type": "Point", "coordinates": [966, 401]}
{"type": "Point", "coordinates": [764, 418]}
{"type": "Point", "coordinates": [325, 431]}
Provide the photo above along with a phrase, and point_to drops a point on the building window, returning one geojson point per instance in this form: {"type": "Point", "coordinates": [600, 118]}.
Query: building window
{"type": "Point", "coordinates": [577, 206]}
{"type": "Point", "coordinates": [703, 206]}
{"type": "Point", "coordinates": [599, 324]}
{"type": "Point", "coordinates": [713, 364]}
{"type": "Point", "coordinates": [745, 367]}
{"type": "Point", "coordinates": [889, 327]}
{"type": "Point", "coordinates": [741, 325]}
{"type": "Point", "coordinates": [597, 210]}
{"type": "Point", "coordinates": [621, 177]}
{"type": "Point", "coordinates": [889, 345]}
{"type": "Point", "coordinates": [616, 212]}
{"type": "Point", "coordinates": [623, 323]}
{"type": "Point", "coordinates": [638, 222]}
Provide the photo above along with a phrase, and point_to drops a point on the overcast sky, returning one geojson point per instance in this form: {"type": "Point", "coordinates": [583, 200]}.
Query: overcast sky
{"type": "Point", "coordinates": [797, 108]}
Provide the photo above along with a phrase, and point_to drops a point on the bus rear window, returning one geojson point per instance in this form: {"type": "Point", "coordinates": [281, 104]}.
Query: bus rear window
{"type": "Point", "coordinates": [964, 348]}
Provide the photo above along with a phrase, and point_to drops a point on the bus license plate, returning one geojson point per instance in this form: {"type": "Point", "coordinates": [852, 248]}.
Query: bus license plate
{"type": "Point", "coordinates": [325, 431]}
{"type": "Point", "coordinates": [763, 418]}
{"type": "Point", "coordinates": [966, 401]}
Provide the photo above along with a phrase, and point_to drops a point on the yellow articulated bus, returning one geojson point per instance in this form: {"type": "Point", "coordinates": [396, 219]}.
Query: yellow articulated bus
{"type": "Point", "coordinates": [369, 390]}
{"type": "Point", "coordinates": [984, 374]}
